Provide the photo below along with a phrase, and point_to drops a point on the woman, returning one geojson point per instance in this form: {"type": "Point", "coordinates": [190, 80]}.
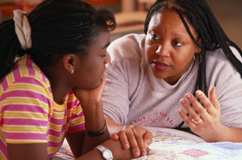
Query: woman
{"type": "Point", "coordinates": [62, 49]}
{"type": "Point", "coordinates": [184, 52]}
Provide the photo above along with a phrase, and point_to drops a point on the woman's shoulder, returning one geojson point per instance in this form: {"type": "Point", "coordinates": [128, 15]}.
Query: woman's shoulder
{"type": "Point", "coordinates": [218, 55]}
{"type": "Point", "coordinates": [128, 46]}
{"type": "Point", "coordinates": [218, 64]}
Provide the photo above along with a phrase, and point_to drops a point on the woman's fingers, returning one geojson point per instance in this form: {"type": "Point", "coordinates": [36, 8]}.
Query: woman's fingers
{"type": "Point", "coordinates": [128, 140]}
{"type": "Point", "coordinates": [147, 139]}
{"type": "Point", "coordinates": [207, 103]}
{"type": "Point", "coordinates": [133, 143]}
{"type": "Point", "coordinates": [204, 114]}
{"type": "Point", "coordinates": [186, 119]}
{"type": "Point", "coordinates": [143, 138]}
{"type": "Point", "coordinates": [135, 137]}
{"type": "Point", "coordinates": [196, 112]}
{"type": "Point", "coordinates": [123, 139]}
{"type": "Point", "coordinates": [115, 136]}
{"type": "Point", "coordinates": [196, 105]}
{"type": "Point", "coordinates": [213, 98]}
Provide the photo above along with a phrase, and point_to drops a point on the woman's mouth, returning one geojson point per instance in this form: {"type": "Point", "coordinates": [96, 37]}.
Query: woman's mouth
{"type": "Point", "coordinates": [159, 66]}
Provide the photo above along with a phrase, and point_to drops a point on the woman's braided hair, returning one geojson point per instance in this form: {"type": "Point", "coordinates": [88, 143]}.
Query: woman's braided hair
{"type": "Point", "coordinates": [59, 27]}
{"type": "Point", "coordinates": [200, 16]}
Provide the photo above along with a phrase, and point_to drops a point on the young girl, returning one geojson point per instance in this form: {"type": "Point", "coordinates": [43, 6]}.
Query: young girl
{"type": "Point", "coordinates": [184, 52]}
{"type": "Point", "coordinates": [57, 82]}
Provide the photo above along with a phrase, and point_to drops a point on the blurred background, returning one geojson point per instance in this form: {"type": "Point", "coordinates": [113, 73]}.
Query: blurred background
{"type": "Point", "coordinates": [130, 14]}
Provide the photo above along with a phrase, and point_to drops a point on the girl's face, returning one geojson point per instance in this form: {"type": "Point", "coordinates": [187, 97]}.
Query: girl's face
{"type": "Point", "coordinates": [169, 49]}
{"type": "Point", "coordinates": [89, 70]}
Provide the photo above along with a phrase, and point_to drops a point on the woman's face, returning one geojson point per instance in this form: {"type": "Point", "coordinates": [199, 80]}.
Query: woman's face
{"type": "Point", "coordinates": [169, 49]}
{"type": "Point", "coordinates": [89, 70]}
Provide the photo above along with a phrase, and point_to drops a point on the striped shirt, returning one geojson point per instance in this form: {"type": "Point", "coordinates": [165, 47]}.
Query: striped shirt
{"type": "Point", "coordinates": [28, 113]}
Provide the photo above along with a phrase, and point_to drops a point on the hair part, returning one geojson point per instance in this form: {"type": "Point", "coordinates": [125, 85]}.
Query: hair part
{"type": "Point", "coordinates": [58, 27]}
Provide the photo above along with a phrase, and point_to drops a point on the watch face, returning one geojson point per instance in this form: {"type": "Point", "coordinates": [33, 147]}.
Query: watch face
{"type": "Point", "coordinates": [107, 154]}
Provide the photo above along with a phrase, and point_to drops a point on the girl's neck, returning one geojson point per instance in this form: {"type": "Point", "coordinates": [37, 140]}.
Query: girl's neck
{"type": "Point", "coordinates": [58, 83]}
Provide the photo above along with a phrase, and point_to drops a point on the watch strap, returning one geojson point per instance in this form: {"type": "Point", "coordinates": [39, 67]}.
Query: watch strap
{"type": "Point", "coordinates": [98, 133]}
{"type": "Point", "coordinates": [103, 150]}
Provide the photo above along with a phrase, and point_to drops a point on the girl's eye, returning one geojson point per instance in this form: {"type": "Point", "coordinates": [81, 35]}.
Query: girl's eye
{"type": "Point", "coordinates": [104, 54]}
{"type": "Point", "coordinates": [153, 36]}
{"type": "Point", "coordinates": [177, 44]}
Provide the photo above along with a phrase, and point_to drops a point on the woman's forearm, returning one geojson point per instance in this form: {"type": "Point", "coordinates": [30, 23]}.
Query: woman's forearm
{"type": "Point", "coordinates": [230, 134]}
{"type": "Point", "coordinates": [113, 127]}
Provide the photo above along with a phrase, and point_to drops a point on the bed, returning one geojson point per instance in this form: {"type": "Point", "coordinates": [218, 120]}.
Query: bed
{"type": "Point", "coordinates": [170, 144]}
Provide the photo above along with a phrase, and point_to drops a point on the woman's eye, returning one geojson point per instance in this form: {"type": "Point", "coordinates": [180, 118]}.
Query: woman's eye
{"type": "Point", "coordinates": [153, 36]}
{"type": "Point", "coordinates": [177, 44]}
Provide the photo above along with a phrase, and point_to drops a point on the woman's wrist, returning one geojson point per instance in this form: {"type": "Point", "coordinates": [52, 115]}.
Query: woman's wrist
{"type": "Point", "coordinates": [222, 134]}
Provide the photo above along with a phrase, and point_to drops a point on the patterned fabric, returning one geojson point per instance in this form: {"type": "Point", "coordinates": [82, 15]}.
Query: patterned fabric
{"type": "Point", "coordinates": [28, 113]}
{"type": "Point", "coordinates": [171, 144]}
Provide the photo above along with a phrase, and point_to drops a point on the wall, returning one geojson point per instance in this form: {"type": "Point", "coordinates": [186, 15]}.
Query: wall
{"type": "Point", "coordinates": [229, 15]}
{"type": "Point", "coordinates": [227, 12]}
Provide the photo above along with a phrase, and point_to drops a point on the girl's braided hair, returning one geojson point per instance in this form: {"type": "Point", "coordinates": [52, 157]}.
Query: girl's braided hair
{"type": "Point", "coordinates": [200, 16]}
{"type": "Point", "coordinates": [59, 27]}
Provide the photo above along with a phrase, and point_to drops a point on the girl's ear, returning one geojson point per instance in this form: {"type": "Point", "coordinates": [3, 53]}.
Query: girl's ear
{"type": "Point", "coordinates": [69, 61]}
{"type": "Point", "coordinates": [198, 49]}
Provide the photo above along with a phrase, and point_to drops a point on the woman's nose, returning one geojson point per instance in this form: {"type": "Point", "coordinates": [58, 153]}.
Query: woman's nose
{"type": "Point", "coordinates": [162, 50]}
{"type": "Point", "coordinates": [158, 49]}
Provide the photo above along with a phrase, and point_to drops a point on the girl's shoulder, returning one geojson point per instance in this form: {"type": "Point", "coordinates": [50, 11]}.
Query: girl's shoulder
{"type": "Point", "coordinates": [25, 73]}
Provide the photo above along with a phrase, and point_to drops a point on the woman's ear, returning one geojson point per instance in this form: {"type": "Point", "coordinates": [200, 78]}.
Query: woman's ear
{"type": "Point", "coordinates": [69, 61]}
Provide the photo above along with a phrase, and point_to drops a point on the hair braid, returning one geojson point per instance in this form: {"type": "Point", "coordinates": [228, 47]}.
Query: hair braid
{"type": "Point", "coordinates": [9, 47]}
{"type": "Point", "coordinates": [58, 27]}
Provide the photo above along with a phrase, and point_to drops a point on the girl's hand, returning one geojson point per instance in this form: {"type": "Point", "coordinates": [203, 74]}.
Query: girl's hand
{"type": "Point", "coordinates": [204, 122]}
{"type": "Point", "coordinates": [85, 96]}
{"type": "Point", "coordinates": [135, 137]}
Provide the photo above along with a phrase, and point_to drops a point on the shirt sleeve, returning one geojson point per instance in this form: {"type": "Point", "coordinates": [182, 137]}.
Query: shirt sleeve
{"type": "Point", "coordinates": [228, 84]}
{"type": "Point", "coordinates": [77, 122]}
{"type": "Point", "coordinates": [230, 96]}
{"type": "Point", "coordinates": [122, 78]}
{"type": "Point", "coordinates": [24, 112]}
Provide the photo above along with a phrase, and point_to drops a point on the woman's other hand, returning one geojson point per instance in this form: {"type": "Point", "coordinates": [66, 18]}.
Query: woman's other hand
{"type": "Point", "coordinates": [203, 121]}
{"type": "Point", "coordinates": [135, 137]}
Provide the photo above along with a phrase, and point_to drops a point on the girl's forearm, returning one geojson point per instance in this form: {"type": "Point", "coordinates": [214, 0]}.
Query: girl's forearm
{"type": "Point", "coordinates": [95, 122]}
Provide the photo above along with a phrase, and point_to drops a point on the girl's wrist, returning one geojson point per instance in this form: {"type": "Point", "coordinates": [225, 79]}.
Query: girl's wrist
{"type": "Point", "coordinates": [97, 133]}
{"type": "Point", "coordinates": [113, 146]}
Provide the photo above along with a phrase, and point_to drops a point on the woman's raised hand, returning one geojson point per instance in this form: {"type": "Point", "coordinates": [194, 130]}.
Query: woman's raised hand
{"type": "Point", "coordinates": [203, 121]}
{"type": "Point", "coordinates": [135, 137]}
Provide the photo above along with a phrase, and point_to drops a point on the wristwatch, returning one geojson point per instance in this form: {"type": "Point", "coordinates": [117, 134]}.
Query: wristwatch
{"type": "Point", "coordinates": [107, 154]}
